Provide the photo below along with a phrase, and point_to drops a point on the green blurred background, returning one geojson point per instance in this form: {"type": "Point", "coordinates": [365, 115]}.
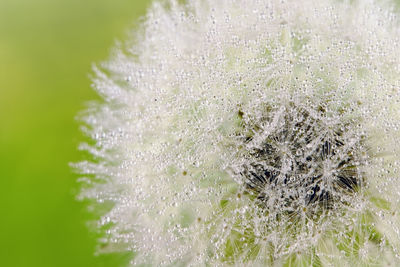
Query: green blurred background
{"type": "Point", "coordinates": [47, 48]}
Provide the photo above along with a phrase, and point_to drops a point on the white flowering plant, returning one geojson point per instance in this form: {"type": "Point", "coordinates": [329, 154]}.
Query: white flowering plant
{"type": "Point", "coordinates": [251, 133]}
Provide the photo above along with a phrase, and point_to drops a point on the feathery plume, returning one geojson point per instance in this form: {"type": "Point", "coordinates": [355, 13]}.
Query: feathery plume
{"type": "Point", "coordinates": [251, 133]}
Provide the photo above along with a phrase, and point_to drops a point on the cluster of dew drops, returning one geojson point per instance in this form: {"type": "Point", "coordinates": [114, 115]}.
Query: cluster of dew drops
{"type": "Point", "coordinates": [298, 167]}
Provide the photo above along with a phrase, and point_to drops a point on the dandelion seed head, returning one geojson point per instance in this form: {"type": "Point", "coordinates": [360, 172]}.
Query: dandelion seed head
{"type": "Point", "coordinates": [251, 133]}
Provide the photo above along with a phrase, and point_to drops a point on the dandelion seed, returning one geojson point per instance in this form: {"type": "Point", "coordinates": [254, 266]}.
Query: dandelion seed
{"type": "Point", "coordinates": [251, 133]}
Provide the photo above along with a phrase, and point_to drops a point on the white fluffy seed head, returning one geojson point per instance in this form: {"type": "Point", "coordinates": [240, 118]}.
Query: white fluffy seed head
{"type": "Point", "coordinates": [251, 133]}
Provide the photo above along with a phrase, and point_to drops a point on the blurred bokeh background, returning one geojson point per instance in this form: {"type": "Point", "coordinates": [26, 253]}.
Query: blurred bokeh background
{"type": "Point", "coordinates": [47, 48]}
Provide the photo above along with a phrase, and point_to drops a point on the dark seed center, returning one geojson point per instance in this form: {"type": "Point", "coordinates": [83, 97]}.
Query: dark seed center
{"type": "Point", "coordinates": [301, 162]}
